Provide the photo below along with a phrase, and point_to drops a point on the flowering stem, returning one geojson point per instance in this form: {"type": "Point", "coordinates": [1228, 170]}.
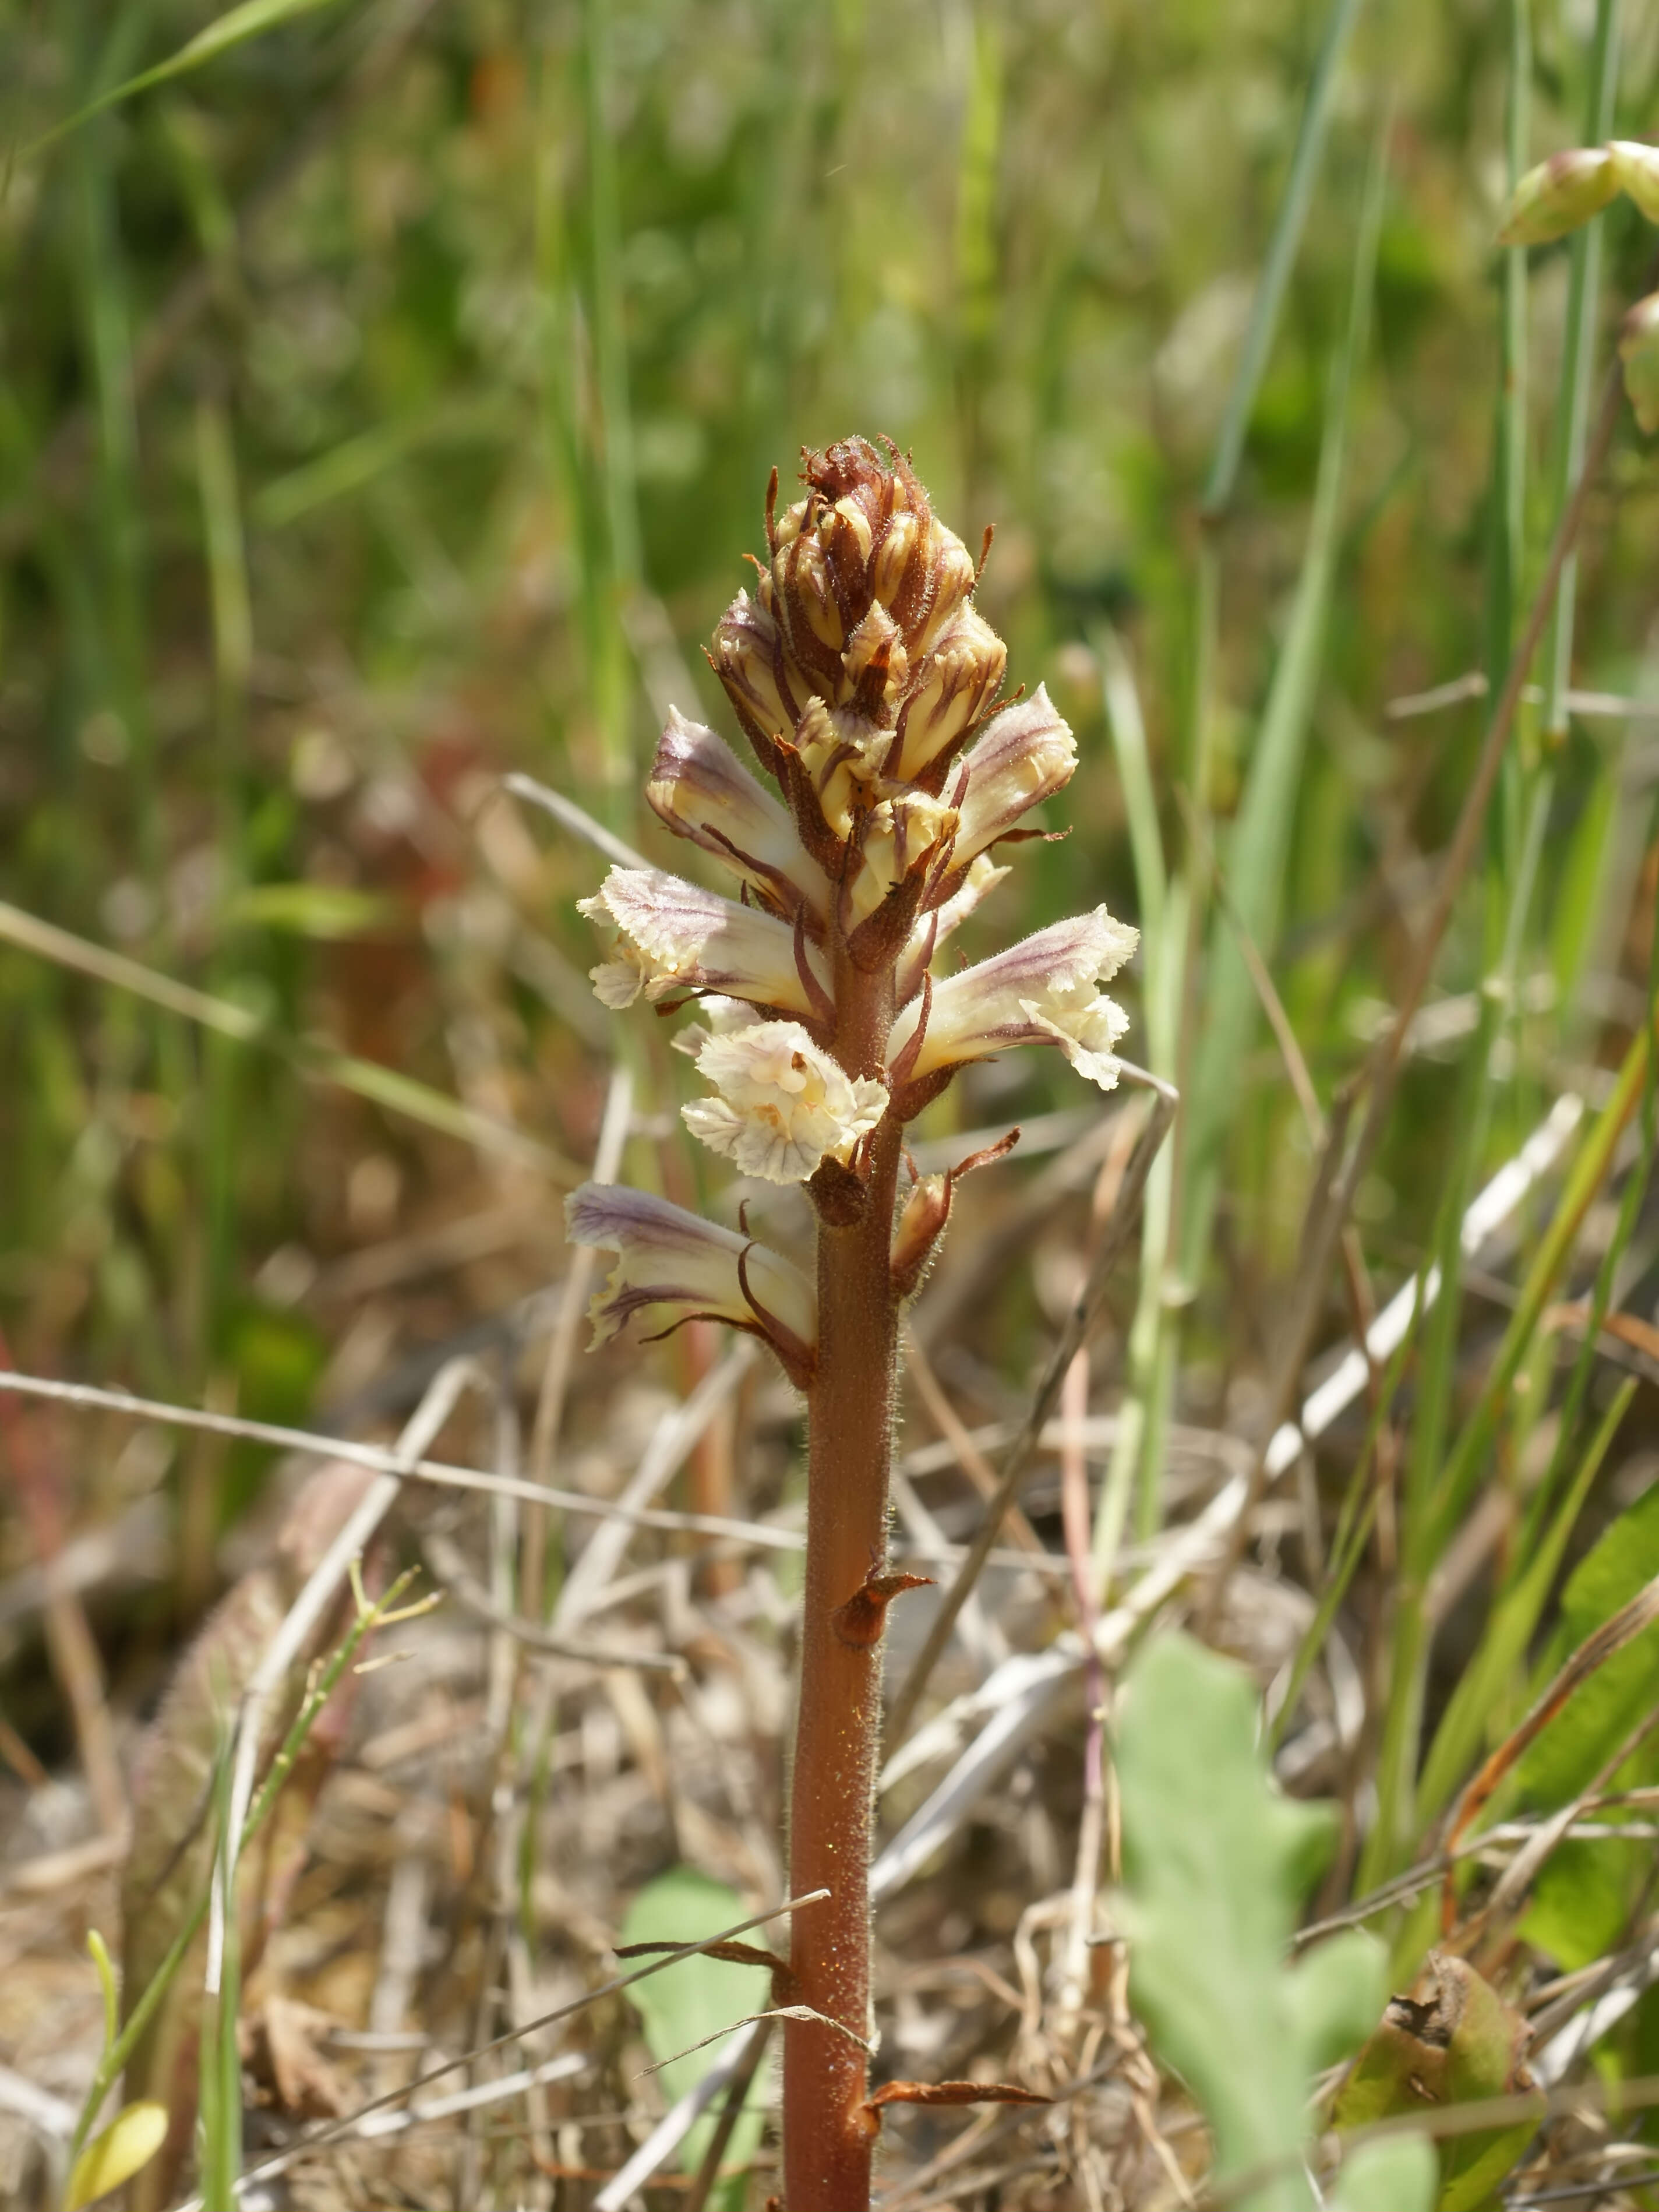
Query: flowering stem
{"type": "Point", "coordinates": [827, 2137]}
{"type": "Point", "coordinates": [868, 685]}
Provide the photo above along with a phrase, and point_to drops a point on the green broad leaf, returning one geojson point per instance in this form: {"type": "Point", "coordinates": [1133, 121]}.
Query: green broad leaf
{"type": "Point", "coordinates": [1395, 2175]}
{"type": "Point", "coordinates": [127, 2144]}
{"type": "Point", "coordinates": [1217, 1863]}
{"type": "Point", "coordinates": [1452, 2040]}
{"type": "Point", "coordinates": [327, 912]}
{"type": "Point", "coordinates": [1581, 1899]}
{"type": "Point", "coordinates": [1603, 1711]}
{"type": "Point", "coordinates": [692, 1999]}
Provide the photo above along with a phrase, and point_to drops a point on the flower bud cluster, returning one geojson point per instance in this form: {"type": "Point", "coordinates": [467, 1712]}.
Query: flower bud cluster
{"type": "Point", "coordinates": [868, 686]}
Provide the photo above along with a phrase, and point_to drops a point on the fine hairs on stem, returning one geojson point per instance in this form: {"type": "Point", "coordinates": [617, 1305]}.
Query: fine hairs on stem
{"type": "Point", "coordinates": [870, 691]}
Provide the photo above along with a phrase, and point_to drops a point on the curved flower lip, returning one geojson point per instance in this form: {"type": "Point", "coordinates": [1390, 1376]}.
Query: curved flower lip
{"type": "Point", "coordinates": [782, 1105]}
{"type": "Point", "coordinates": [930, 933]}
{"type": "Point", "coordinates": [677, 936]}
{"type": "Point", "coordinates": [1039, 992]}
{"type": "Point", "coordinates": [1024, 756]}
{"type": "Point", "coordinates": [669, 1258]}
{"type": "Point", "coordinates": [699, 789]}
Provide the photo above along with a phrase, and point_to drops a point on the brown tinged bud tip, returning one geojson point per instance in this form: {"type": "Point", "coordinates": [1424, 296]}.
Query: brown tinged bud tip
{"type": "Point", "coordinates": [928, 1208]}
{"type": "Point", "coordinates": [925, 1212]}
{"type": "Point", "coordinates": [1636, 166]}
{"type": "Point", "coordinates": [1558, 195]}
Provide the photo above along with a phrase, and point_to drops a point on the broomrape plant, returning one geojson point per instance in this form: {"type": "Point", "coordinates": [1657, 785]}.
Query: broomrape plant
{"type": "Point", "coordinates": [867, 685]}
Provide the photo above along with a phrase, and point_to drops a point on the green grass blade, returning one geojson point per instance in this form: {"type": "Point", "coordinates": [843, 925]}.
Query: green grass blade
{"type": "Point", "coordinates": [233, 29]}
{"type": "Point", "coordinates": [1258, 848]}
{"type": "Point", "coordinates": [1589, 1172]}
{"type": "Point", "coordinates": [386, 1086]}
{"type": "Point", "coordinates": [1127, 729]}
{"type": "Point", "coordinates": [1281, 257]}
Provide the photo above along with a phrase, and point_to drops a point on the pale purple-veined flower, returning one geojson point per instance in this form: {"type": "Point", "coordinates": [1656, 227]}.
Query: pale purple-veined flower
{"type": "Point", "coordinates": [699, 788]}
{"type": "Point", "coordinates": [1023, 755]}
{"type": "Point", "coordinates": [674, 936]}
{"type": "Point", "coordinates": [1041, 991]}
{"type": "Point", "coordinates": [676, 1262]}
{"type": "Point", "coordinates": [781, 1105]}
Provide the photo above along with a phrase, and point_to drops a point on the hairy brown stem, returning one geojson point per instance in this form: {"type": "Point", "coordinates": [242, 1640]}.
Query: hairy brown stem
{"type": "Point", "coordinates": [827, 2137]}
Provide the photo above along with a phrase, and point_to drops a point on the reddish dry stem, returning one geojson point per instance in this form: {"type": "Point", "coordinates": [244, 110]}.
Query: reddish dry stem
{"type": "Point", "coordinates": [826, 2146]}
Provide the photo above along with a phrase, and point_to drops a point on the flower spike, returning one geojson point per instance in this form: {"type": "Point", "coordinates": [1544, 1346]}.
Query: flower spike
{"type": "Point", "coordinates": [870, 688]}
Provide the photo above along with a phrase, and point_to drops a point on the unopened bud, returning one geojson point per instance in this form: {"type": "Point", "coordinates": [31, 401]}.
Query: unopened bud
{"type": "Point", "coordinates": [876, 665]}
{"type": "Point", "coordinates": [800, 577]}
{"type": "Point", "coordinates": [925, 1212]}
{"type": "Point", "coordinates": [1638, 349]}
{"type": "Point", "coordinates": [952, 577]}
{"type": "Point", "coordinates": [842, 757]}
{"type": "Point", "coordinates": [847, 516]}
{"type": "Point", "coordinates": [1637, 168]}
{"type": "Point", "coordinates": [898, 546]}
{"type": "Point", "coordinates": [954, 687]}
{"type": "Point", "coordinates": [1558, 195]}
{"type": "Point", "coordinates": [748, 657]}
{"type": "Point", "coordinates": [900, 835]}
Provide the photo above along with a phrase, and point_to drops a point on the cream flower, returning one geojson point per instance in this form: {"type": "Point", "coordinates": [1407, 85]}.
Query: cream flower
{"type": "Point", "coordinates": [1041, 991]}
{"type": "Point", "coordinates": [676, 937]}
{"type": "Point", "coordinates": [671, 1258]}
{"type": "Point", "coordinates": [1024, 755]}
{"type": "Point", "coordinates": [781, 1105]}
{"type": "Point", "coordinates": [717, 1016]}
{"type": "Point", "coordinates": [701, 789]}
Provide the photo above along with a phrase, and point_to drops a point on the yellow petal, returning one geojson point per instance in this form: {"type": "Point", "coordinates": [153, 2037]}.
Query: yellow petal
{"type": "Point", "coordinates": [128, 2142]}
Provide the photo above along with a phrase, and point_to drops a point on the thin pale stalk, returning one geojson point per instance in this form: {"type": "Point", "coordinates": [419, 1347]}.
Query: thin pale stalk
{"type": "Point", "coordinates": [1584, 284]}
{"type": "Point", "coordinates": [1143, 1417]}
